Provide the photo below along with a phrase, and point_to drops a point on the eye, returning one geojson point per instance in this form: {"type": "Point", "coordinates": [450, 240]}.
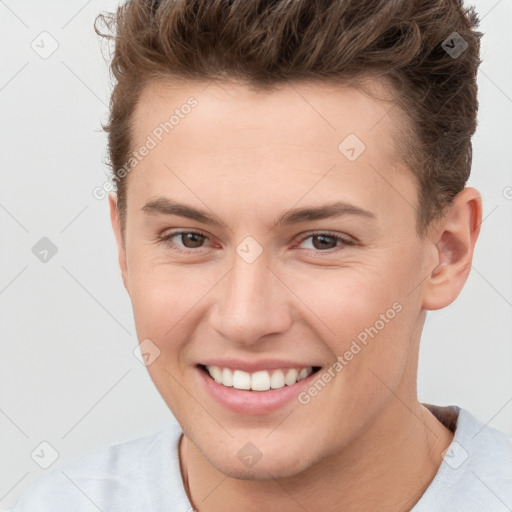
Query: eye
{"type": "Point", "coordinates": [321, 242]}
{"type": "Point", "coordinates": [190, 240]}
{"type": "Point", "coordinates": [187, 242]}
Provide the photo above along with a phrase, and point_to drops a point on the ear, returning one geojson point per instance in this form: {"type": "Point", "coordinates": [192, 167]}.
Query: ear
{"type": "Point", "coordinates": [454, 239]}
{"type": "Point", "coordinates": [115, 219]}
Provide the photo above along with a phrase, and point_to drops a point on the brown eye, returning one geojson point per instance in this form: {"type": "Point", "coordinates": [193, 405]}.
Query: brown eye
{"type": "Point", "coordinates": [183, 241]}
{"type": "Point", "coordinates": [191, 240]}
{"type": "Point", "coordinates": [324, 242]}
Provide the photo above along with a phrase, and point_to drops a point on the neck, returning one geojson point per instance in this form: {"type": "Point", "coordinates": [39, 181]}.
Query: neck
{"type": "Point", "coordinates": [388, 468]}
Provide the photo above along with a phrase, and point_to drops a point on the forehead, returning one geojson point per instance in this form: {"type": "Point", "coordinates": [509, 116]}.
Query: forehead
{"type": "Point", "coordinates": [231, 138]}
{"type": "Point", "coordinates": [320, 113]}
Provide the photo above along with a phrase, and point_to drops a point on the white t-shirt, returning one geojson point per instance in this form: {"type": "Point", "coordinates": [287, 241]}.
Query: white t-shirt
{"type": "Point", "coordinates": [144, 475]}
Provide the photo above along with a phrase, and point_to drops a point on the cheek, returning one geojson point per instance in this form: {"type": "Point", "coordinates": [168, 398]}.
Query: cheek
{"type": "Point", "coordinates": [168, 302]}
{"type": "Point", "coordinates": [349, 300]}
{"type": "Point", "coordinates": [156, 293]}
{"type": "Point", "coordinates": [366, 314]}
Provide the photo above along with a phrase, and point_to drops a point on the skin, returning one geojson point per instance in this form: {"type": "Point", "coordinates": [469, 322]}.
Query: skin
{"type": "Point", "coordinates": [364, 442]}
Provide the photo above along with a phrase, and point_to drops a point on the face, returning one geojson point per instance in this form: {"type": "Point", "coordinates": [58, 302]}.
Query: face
{"type": "Point", "coordinates": [272, 235]}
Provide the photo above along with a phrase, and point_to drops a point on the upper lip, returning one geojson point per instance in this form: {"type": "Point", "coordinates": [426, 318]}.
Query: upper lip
{"type": "Point", "coordinates": [254, 366]}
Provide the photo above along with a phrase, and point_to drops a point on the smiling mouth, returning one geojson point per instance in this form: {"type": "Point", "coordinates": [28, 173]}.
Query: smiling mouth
{"type": "Point", "coordinates": [262, 380]}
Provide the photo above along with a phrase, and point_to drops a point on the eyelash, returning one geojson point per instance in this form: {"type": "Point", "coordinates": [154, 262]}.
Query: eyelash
{"type": "Point", "coordinates": [165, 239]}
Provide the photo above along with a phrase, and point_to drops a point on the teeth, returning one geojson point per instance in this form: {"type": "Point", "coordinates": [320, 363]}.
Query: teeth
{"type": "Point", "coordinates": [216, 373]}
{"type": "Point", "coordinates": [260, 380]}
{"type": "Point", "coordinates": [291, 377]}
{"type": "Point", "coordinates": [302, 374]}
{"type": "Point", "coordinates": [241, 380]}
{"type": "Point", "coordinates": [277, 379]}
{"type": "Point", "coordinates": [227, 377]}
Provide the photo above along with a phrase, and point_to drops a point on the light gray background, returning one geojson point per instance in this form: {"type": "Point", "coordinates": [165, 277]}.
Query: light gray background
{"type": "Point", "coordinates": [69, 376]}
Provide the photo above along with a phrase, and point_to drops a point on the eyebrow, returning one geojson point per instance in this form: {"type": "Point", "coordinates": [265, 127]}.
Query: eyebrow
{"type": "Point", "coordinates": [166, 206]}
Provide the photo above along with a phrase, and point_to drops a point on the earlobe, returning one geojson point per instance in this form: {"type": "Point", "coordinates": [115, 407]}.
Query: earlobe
{"type": "Point", "coordinates": [116, 226]}
{"type": "Point", "coordinates": [454, 242]}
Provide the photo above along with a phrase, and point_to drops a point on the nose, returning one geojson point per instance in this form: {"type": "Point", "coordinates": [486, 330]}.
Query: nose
{"type": "Point", "coordinates": [252, 302]}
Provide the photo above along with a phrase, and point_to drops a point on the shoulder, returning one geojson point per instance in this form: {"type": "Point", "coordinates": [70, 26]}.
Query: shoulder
{"type": "Point", "coordinates": [132, 475]}
{"type": "Point", "coordinates": [476, 472]}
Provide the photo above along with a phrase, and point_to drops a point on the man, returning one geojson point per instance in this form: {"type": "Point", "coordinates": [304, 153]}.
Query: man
{"type": "Point", "coordinates": [290, 202]}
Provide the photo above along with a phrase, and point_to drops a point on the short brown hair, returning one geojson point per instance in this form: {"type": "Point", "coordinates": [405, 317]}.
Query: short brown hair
{"type": "Point", "coordinates": [428, 50]}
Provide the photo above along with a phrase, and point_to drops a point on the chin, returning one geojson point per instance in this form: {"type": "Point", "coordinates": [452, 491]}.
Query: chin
{"type": "Point", "coordinates": [268, 470]}
{"type": "Point", "coordinates": [270, 463]}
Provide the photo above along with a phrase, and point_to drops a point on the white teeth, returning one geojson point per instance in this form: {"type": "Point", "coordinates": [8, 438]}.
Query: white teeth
{"type": "Point", "coordinates": [277, 380]}
{"type": "Point", "coordinates": [241, 379]}
{"type": "Point", "coordinates": [258, 381]}
{"type": "Point", "coordinates": [216, 373]}
{"type": "Point", "coordinates": [227, 377]}
{"type": "Point", "coordinates": [303, 374]}
{"type": "Point", "coordinates": [291, 377]}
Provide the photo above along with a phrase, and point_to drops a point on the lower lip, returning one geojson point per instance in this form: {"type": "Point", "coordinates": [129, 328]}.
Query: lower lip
{"type": "Point", "coordinates": [253, 402]}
